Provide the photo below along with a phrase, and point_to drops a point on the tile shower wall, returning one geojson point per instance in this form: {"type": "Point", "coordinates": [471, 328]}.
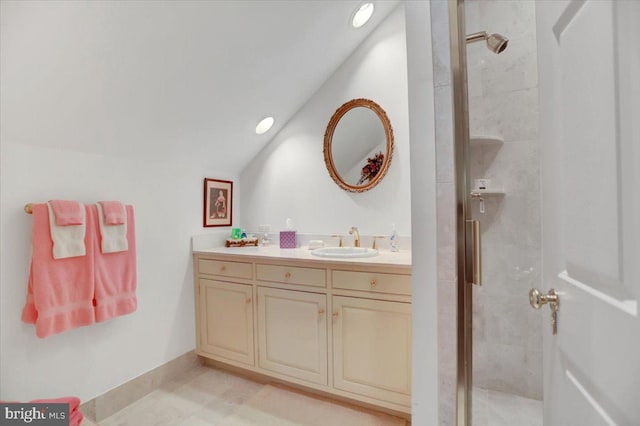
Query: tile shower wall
{"type": "Point", "coordinates": [503, 102]}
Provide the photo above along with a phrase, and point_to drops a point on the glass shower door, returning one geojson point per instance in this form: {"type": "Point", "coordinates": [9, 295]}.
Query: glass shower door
{"type": "Point", "coordinates": [502, 176]}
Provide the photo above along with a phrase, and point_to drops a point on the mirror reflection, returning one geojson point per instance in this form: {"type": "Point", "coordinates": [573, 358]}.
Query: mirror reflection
{"type": "Point", "coordinates": [358, 145]}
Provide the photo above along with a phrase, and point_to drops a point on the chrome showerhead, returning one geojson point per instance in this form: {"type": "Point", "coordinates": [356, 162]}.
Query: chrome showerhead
{"type": "Point", "coordinates": [496, 43]}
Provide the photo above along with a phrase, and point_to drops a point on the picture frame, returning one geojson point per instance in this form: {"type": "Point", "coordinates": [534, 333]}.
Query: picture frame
{"type": "Point", "coordinates": [218, 203]}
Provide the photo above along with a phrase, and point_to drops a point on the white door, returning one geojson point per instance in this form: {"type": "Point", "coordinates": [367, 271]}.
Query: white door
{"type": "Point", "coordinates": [589, 81]}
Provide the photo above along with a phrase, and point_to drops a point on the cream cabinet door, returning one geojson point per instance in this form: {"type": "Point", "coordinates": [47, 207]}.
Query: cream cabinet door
{"type": "Point", "coordinates": [226, 327]}
{"type": "Point", "coordinates": [372, 348]}
{"type": "Point", "coordinates": [292, 333]}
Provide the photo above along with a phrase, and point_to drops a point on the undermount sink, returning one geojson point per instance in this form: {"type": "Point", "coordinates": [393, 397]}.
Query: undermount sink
{"type": "Point", "coordinates": [345, 252]}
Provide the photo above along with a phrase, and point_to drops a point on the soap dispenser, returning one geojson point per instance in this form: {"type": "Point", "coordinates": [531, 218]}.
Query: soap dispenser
{"type": "Point", "coordinates": [393, 238]}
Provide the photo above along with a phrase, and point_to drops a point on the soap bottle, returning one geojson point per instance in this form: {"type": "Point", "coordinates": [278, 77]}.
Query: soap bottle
{"type": "Point", "coordinates": [393, 238]}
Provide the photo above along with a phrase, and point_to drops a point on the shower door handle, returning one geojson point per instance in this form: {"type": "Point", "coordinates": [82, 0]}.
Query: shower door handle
{"type": "Point", "coordinates": [474, 252]}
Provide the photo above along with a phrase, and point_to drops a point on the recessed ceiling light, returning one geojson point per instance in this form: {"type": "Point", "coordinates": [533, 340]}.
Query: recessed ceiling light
{"type": "Point", "coordinates": [264, 125]}
{"type": "Point", "coordinates": [362, 15]}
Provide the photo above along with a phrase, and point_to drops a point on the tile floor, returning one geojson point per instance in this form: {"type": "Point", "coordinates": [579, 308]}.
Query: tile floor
{"type": "Point", "coordinates": [207, 396]}
{"type": "Point", "coordinates": [493, 408]}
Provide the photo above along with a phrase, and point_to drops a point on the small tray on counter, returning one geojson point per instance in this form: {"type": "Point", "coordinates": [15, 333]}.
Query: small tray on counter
{"type": "Point", "coordinates": [241, 242]}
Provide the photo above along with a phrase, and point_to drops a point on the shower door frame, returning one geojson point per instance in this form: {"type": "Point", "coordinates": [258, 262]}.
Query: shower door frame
{"type": "Point", "coordinates": [464, 241]}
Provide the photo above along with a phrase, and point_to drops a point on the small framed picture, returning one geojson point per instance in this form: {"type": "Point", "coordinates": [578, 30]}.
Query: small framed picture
{"type": "Point", "coordinates": [218, 202]}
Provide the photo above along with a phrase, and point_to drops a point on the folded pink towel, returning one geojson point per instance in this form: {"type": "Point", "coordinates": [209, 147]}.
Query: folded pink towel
{"type": "Point", "coordinates": [60, 292]}
{"type": "Point", "coordinates": [115, 273]}
{"type": "Point", "coordinates": [114, 212]}
{"type": "Point", "coordinates": [68, 241]}
{"type": "Point", "coordinates": [67, 212]}
{"type": "Point", "coordinates": [113, 238]}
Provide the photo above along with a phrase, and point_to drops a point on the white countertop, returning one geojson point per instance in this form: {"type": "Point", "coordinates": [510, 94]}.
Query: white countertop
{"type": "Point", "coordinates": [400, 258]}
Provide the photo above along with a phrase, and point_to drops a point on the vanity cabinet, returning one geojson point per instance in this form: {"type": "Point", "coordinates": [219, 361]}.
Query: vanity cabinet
{"type": "Point", "coordinates": [372, 348]}
{"type": "Point", "coordinates": [226, 320]}
{"type": "Point", "coordinates": [292, 333]}
{"type": "Point", "coordinates": [335, 327]}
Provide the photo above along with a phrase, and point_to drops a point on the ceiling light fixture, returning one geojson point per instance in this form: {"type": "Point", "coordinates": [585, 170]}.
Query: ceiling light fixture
{"type": "Point", "coordinates": [362, 15]}
{"type": "Point", "coordinates": [264, 125]}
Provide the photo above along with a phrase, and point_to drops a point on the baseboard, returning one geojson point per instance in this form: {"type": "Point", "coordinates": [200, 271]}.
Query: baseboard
{"type": "Point", "coordinates": [105, 405]}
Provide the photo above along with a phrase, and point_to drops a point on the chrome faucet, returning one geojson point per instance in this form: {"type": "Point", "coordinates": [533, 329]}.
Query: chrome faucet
{"type": "Point", "coordinates": [356, 236]}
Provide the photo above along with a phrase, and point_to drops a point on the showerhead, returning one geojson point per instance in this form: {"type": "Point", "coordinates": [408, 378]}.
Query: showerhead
{"type": "Point", "coordinates": [496, 43]}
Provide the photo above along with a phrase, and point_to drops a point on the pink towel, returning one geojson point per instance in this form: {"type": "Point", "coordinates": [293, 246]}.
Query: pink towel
{"type": "Point", "coordinates": [115, 273]}
{"type": "Point", "coordinates": [68, 241]}
{"type": "Point", "coordinates": [75, 415]}
{"type": "Point", "coordinates": [113, 238]}
{"type": "Point", "coordinates": [67, 212]}
{"type": "Point", "coordinates": [114, 212]}
{"type": "Point", "coordinates": [75, 418]}
{"type": "Point", "coordinates": [60, 292]}
{"type": "Point", "coordinates": [73, 401]}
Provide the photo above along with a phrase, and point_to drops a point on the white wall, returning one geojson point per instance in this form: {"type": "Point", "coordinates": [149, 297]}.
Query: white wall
{"type": "Point", "coordinates": [166, 193]}
{"type": "Point", "coordinates": [289, 178]}
{"type": "Point", "coordinates": [91, 360]}
{"type": "Point", "coordinates": [425, 319]}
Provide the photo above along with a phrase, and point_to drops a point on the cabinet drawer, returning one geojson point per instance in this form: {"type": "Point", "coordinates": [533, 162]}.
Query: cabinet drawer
{"type": "Point", "coordinates": [292, 275]}
{"type": "Point", "coordinates": [225, 269]}
{"type": "Point", "coordinates": [372, 281]}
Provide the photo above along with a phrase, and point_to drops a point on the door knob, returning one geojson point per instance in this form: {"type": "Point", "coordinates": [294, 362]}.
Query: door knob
{"type": "Point", "coordinates": [537, 298]}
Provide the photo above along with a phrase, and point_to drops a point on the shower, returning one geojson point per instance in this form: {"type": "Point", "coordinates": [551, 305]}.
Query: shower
{"type": "Point", "coordinates": [496, 43]}
{"type": "Point", "coordinates": [496, 335]}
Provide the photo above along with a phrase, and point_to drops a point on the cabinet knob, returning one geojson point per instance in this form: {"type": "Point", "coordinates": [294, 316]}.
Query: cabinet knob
{"type": "Point", "coordinates": [373, 282]}
{"type": "Point", "coordinates": [321, 312]}
{"type": "Point", "coordinates": [248, 300]}
{"type": "Point", "coordinates": [287, 275]}
{"type": "Point", "coordinates": [223, 268]}
{"type": "Point", "coordinates": [335, 314]}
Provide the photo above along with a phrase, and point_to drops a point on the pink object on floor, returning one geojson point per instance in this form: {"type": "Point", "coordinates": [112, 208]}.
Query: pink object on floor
{"type": "Point", "coordinates": [67, 212]}
{"type": "Point", "coordinates": [75, 418]}
{"type": "Point", "coordinates": [60, 292]}
{"type": "Point", "coordinates": [115, 273]}
{"type": "Point", "coordinates": [73, 401]}
{"type": "Point", "coordinates": [75, 415]}
{"type": "Point", "coordinates": [114, 212]}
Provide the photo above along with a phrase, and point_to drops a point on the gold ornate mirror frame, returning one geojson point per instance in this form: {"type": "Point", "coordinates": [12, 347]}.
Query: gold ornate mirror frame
{"type": "Point", "coordinates": [328, 138]}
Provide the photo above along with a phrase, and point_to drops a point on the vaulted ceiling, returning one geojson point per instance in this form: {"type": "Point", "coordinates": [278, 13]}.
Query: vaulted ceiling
{"type": "Point", "coordinates": [186, 80]}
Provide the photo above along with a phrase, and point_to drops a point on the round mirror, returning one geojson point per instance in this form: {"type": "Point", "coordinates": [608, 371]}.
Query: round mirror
{"type": "Point", "coordinates": [358, 145]}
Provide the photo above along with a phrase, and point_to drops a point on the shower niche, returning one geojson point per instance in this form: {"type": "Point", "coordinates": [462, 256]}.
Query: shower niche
{"type": "Point", "coordinates": [486, 187]}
